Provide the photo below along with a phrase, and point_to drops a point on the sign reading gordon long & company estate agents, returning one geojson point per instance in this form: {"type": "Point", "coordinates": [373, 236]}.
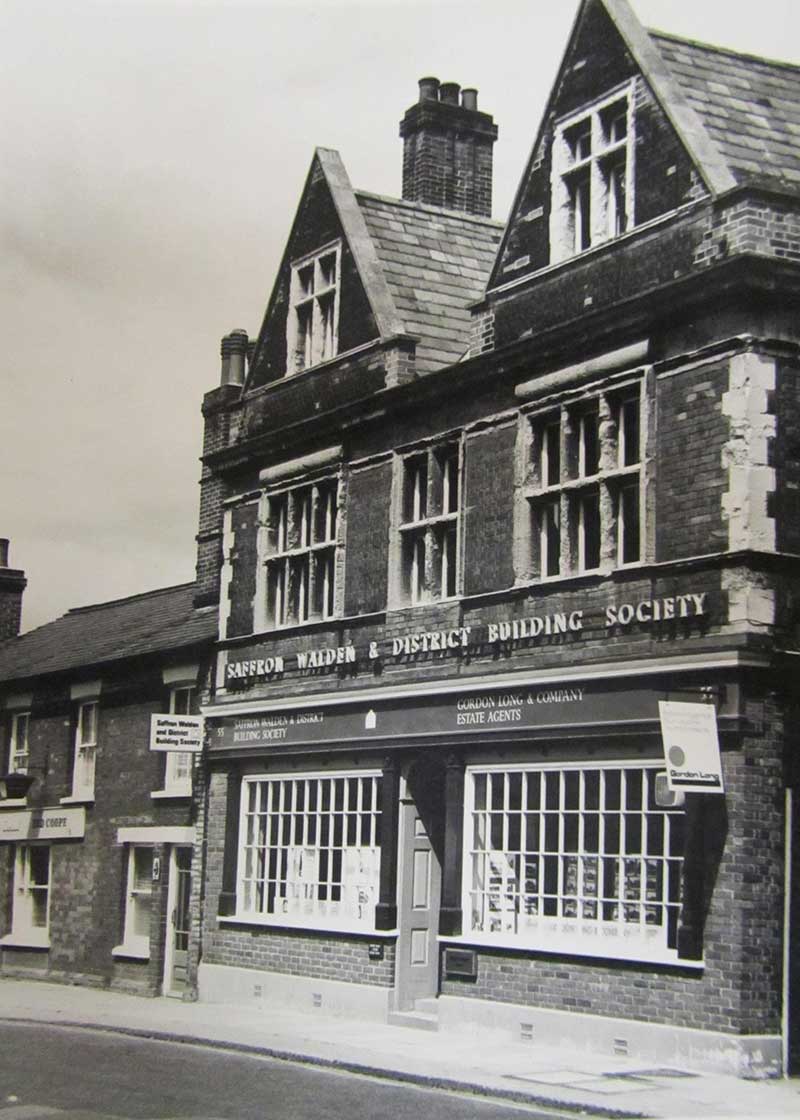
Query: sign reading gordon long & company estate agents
{"type": "Point", "coordinates": [176, 733]}
{"type": "Point", "coordinates": [691, 746]}
{"type": "Point", "coordinates": [494, 711]}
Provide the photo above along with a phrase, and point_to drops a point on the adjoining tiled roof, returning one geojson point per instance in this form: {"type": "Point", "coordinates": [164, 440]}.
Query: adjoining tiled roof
{"type": "Point", "coordinates": [88, 636]}
{"type": "Point", "coordinates": [436, 262]}
{"type": "Point", "coordinates": [750, 107]}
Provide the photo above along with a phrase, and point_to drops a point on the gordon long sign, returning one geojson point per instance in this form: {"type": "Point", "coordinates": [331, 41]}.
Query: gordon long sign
{"type": "Point", "coordinates": [506, 634]}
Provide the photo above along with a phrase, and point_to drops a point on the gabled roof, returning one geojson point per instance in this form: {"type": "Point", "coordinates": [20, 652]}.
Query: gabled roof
{"type": "Point", "coordinates": [419, 265]}
{"type": "Point", "coordinates": [435, 263]}
{"type": "Point", "coordinates": [750, 107]}
{"type": "Point", "coordinates": [155, 622]}
{"type": "Point", "coordinates": [737, 117]}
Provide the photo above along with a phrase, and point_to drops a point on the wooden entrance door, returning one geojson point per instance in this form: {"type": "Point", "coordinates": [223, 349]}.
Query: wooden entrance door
{"type": "Point", "coordinates": [176, 964]}
{"type": "Point", "coordinates": [421, 830]}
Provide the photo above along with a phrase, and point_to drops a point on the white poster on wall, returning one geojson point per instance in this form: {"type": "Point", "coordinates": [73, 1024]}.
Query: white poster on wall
{"type": "Point", "coordinates": [691, 746]}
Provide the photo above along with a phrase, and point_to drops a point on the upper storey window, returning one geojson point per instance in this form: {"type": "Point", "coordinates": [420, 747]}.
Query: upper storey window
{"type": "Point", "coordinates": [592, 177]}
{"type": "Point", "coordinates": [429, 524]}
{"type": "Point", "coordinates": [301, 549]}
{"type": "Point", "coordinates": [585, 493]}
{"type": "Point", "coordinates": [313, 322]}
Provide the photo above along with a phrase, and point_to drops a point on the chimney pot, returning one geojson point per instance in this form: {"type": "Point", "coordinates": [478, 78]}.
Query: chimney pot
{"type": "Point", "coordinates": [469, 99]}
{"type": "Point", "coordinates": [3, 552]}
{"type": "Point", "coordinates": [233, 349]}
{"type": "Point", "coordinates": [429, 89]}
{"type": "Point", "coordinates": [447, 149]}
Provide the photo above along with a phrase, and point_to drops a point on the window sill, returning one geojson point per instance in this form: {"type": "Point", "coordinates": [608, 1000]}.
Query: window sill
{"type": "Point", "coordinates": [631, 953]}
{"type": "Point", "coordinates": [14, 803]}
{"type": "Point", "coordinates": [274, 922]}
{"type": "Point", "coordinates": [77, 799]}
{"type": "Point", "coordinates": [171, 794]}
{"type": "Point", "coordinates": [28, 939]}
{"type": "Point", "coordinates": [131, 952]}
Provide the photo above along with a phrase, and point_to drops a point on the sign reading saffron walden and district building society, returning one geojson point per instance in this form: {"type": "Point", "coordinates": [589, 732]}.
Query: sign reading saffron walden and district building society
{"type": "Point", "coordinates": [176, 733]}
{"type": "Point", "coordinates": [504, 635]}
{"type": "Point", "coordinates": [691, 746]}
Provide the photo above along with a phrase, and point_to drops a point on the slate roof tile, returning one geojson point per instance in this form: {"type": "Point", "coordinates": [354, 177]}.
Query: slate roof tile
{"type": "Point", "coordinates": [153, 622]}
{"type": "Point", "coordinates": [747, 104]}
{"type": "Point", "coordinates": [436, 262]}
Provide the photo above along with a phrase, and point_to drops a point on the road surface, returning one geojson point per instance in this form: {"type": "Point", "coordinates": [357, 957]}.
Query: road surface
{"type": "Point", "coordinates": [63, 1073]}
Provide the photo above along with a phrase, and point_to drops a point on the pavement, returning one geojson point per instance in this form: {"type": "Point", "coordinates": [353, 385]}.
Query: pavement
{"type": "Point", "coordinates": [574, 1082]}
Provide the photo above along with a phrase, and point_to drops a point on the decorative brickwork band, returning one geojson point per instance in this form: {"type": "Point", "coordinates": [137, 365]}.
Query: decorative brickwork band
{"type": "Point", "coordinates": [233, 800]}
{"type": "Point", "coordinates": [450, 916]}
{"type": "Point", "coordinates": [386, 909]}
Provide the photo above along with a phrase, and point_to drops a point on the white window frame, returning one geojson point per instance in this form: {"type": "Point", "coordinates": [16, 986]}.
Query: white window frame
{"type": "Point", "coordinates": [585, 175]}
{"type": "Point", "coordinates": [312, 333]}
{"type": "Point", "coordinates": [321, 850]}
{"type": "Point", "coordinates": [428, 537]}
{"type": "Point", "coordinates": [29, 927]}
{"type": "Point", "coordinates": [510, 884]}
{"type": "Point", "coordinates": [19, 743]}
{"type": "Point", "coordinates": [601, 462]}
{"type": "Point", "coordinates": [85, 751]}
{"type": "Point", "coordinates": [139, 898]}
{"type": "Point", "coordinates": [300, 548]}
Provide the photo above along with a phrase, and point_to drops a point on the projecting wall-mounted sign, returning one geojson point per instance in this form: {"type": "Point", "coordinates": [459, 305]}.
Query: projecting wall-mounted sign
{"type": "Point", "coordinates": [507, 635]}
{"type": "Point", "coordinates": [176, 733]}
{"type": "Point", "coordinates": [691, 746]}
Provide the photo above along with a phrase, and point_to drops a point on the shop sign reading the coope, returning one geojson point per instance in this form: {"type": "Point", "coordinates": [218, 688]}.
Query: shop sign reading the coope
{"type": "Point", "coordinates": [43, 824]}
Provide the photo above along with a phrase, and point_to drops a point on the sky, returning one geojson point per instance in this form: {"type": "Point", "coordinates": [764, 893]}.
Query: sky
{"type": "Point", "coordinates": [153, 158]}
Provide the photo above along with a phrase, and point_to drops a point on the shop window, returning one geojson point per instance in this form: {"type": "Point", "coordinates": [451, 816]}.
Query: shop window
{"type": "Point", "coordinates": [178, 764]}
{"type": "Point", "coordinates": [575, 860]}
{"type": "Point", "coordinates": [138, 903]}
{"type": "Point", "coordinates": [18, 755]}
{"type": "Point", "coordinates": [312, 329]}
{"type": "Point", "coordinates": [30, 921]}
{"type": "Point", "coordinates": [429, 524]}
{"type": "Point", "coordinates": [85, 751]}
{"type": "Point", "coordinates": [310, 850]}
{"type": "Point", "coordinates": [585, 486]}
{"type": "Point", "coordinates": [300, 554]}
{"type": "Point", "coordinates": [592, 177]}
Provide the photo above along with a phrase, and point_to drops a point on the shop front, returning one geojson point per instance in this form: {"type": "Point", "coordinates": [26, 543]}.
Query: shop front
{"type": "Point", "coordinates": [500, 849]}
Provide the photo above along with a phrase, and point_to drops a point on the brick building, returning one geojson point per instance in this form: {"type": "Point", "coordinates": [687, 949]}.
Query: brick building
{"type": "Point", "coordinates": [475, 501]}
{"type": "Point", "coordinates": [98, 831]}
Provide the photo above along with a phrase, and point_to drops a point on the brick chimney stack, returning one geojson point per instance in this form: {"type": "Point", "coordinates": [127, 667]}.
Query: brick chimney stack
{"type": "Point", "coordinates": [218, 409]}
{"type": "Point", "coordinates": [12, 584]}
{"type": "Point", "coordinates": [447, 149]}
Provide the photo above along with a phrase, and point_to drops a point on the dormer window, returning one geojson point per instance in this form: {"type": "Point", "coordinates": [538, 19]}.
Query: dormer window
{"type": "Point", "coordinates": [592, 177]}
{"type": "Point", "coordinates": [312, 331]}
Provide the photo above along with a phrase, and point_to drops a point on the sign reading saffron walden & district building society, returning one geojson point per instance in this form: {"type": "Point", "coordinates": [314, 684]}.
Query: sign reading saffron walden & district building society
{"type": "Point", "coordinates": [691, 746]}
{"type": "Point", "coordinates": [176, 733]}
